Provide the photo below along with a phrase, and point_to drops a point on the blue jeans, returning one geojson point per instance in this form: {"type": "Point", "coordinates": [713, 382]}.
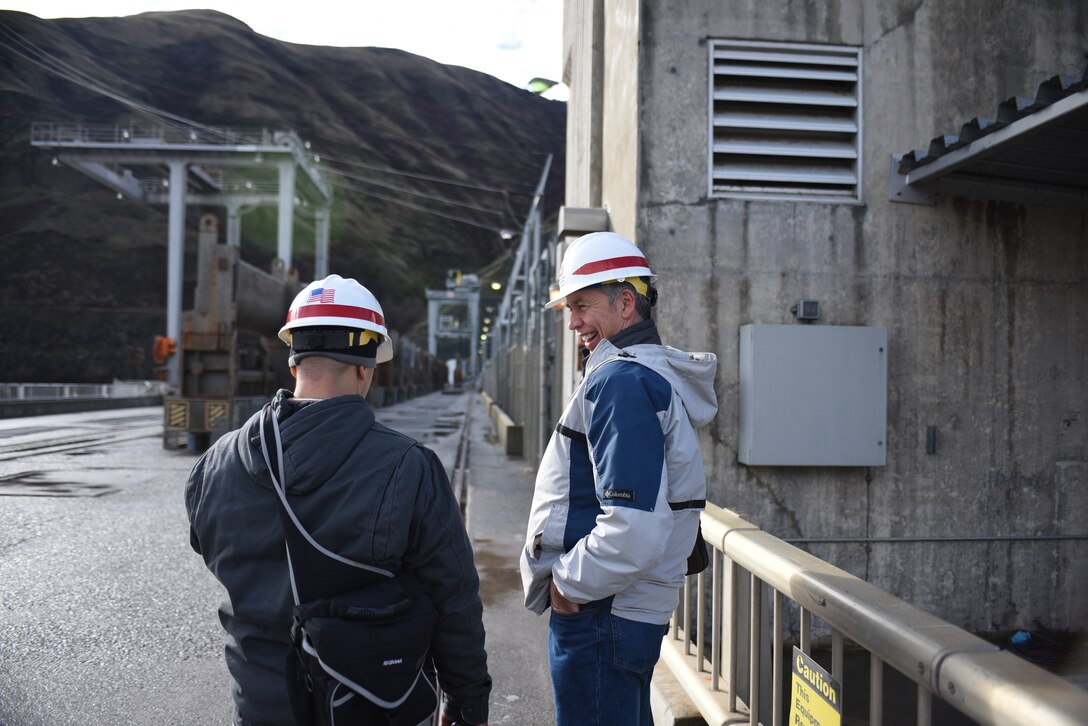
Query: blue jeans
{"type": "Point", "coordinates": [601, 667]}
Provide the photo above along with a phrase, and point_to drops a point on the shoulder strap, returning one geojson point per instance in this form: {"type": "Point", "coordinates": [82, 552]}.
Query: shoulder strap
{"type": "Point", "coordinates": [316, 572]}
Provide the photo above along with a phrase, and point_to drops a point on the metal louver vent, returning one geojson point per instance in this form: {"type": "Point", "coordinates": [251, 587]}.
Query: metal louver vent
{"type": "Point", "coordinates": [785, 121]}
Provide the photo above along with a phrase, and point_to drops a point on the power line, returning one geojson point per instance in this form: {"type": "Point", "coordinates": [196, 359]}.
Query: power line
{"type": "Point", "coordinates": [444, 144]}
{"type": "Point", "coordinates": [416, 207]}
{"type": "Point", "coordinates": [405, 190]}
{"type": "Point", "coordinates": [424, 177]}
{"type": "Point", "coordinates": [505, 193]}
{"type": "Point", "coordinates": [58, 67]}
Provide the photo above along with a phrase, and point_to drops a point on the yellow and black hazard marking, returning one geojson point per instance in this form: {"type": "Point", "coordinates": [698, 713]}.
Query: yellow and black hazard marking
{"type": "Point", "coordinates": [177, 415]}
{"type": "Point", "coordinates": [214, 412]}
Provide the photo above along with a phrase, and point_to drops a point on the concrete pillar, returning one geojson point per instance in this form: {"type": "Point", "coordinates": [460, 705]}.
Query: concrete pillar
{"type": "Point", "coordinates": [175, 263]}
{"type": "Point", "coordinates": [287, 212]}
{"type": "Point", "coordinates": [533, 298]}
{"type": "Point", "coordinates": [474, 326]}
{"type": "Point", "coordinates": [321, 242]}
{"type": "Point", "coordinates": [432, 326]}
{"type": "Point", "coordinates": [234, 224]}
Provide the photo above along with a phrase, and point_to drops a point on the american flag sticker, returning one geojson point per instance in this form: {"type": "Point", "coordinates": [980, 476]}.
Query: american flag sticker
{"type": "Point", "coordinates": [321, 294]}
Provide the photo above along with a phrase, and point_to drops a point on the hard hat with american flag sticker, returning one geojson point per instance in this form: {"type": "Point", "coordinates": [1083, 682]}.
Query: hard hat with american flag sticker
{"type": "Point", "coordinates": [337, 304]}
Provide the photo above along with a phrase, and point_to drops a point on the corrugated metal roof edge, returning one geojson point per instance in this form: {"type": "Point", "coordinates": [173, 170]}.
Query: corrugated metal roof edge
{"type": "Point", "coordinates": [1013, 109]}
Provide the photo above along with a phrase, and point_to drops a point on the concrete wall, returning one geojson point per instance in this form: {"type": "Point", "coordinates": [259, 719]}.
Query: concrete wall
{"type": "Point", "coordinates": [621, 113]}
{"type": "Point", "coordinates": [583, 69]}
{"type": "Point", "coordinates": [986, 303]}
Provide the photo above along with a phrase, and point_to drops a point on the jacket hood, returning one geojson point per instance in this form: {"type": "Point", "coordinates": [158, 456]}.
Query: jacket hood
{"type": "Point", "coordinates": [691, 375]}
{"type": "Point", "coordinates": [317, 436]}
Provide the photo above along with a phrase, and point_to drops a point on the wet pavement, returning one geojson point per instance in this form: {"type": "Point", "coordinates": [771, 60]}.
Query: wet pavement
{"type": "Point", "coordinates": [500, 492]}
{"type": "Point", "coordinates": [106, 615]}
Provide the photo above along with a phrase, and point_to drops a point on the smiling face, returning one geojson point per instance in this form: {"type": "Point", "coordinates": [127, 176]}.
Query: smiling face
{"type": "Point", "coordinates": [594, 318]}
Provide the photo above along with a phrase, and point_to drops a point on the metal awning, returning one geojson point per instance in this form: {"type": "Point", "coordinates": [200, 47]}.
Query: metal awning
{"type": "Point", "coordinates": [1035, 151]}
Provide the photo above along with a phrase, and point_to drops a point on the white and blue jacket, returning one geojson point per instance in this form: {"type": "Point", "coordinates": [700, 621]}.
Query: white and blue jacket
{"type": "Point", "coordinates": [620, 486]}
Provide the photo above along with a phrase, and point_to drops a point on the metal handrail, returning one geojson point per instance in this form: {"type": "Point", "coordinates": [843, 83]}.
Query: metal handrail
{"type": "Point", "coordinates": [52, 391]}
{"type": "Point", "coordinates": [153, 136]}
{"type": "Point", "coordinates": [46, 133]}
{"type": "Point", "coordinates": [64, 391]}
{"type": "Point", "coordinates": [978, 679]}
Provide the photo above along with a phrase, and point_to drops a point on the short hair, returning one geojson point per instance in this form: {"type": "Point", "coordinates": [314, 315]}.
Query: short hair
{"type": "Point", "coordinates": [319, 366]}
{"type": "Point", "coordinates": [642, 303]}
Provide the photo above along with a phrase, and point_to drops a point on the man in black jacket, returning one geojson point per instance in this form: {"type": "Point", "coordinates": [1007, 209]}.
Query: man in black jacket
{"type": "Point", "coordinates": [362, 490]}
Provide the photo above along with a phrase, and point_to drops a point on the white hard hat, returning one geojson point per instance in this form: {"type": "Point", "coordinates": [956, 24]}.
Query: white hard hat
{"type": "Point", "coordinates": [598, 258]}
{"type": "Point", "coordinates": [337, 303]}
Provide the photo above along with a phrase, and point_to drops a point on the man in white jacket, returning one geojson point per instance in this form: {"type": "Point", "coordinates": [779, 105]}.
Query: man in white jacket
{"type": "Point", "coordinates": [619, 489]}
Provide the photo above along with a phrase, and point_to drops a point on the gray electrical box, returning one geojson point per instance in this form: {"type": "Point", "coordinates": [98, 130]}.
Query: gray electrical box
{"type": "Point", "coordinates": [813, 395]}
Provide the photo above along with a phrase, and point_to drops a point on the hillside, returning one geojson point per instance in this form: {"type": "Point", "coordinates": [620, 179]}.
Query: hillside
{"type": "Point", "coordinates": [84, 275]}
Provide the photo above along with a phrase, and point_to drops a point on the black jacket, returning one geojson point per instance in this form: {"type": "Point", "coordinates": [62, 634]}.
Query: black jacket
{"type": "Point", "coordinates": [362, 490]}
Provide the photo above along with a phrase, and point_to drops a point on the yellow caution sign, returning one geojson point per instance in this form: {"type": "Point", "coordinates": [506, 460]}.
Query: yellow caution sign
{"type": "Point", "coordinates": [177, 415]}
{"type": "Point", "coordinates": [214, 412]}
{"type": "Point", "coordinates": [817, 697]}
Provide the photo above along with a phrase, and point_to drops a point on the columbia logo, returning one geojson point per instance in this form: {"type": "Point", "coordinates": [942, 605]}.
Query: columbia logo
{"type": "Point", "coordinates": [392, 661]}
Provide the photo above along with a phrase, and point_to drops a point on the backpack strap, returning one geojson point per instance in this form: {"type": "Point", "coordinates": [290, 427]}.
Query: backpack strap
{"type": "Point", "coordinates": [315, 572]}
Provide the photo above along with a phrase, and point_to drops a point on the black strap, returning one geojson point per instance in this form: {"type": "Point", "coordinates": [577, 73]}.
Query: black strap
{"type": "Point", "coordinates": [570, 433]}
{"type": "Point", "coordinates": [689, 504]}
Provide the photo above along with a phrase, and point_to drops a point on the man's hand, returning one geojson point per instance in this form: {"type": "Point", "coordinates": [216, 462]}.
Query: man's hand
{"type": "Point", "coordinates": [560, 604]}
{"type": "Point", "coordinates": [451, 715]}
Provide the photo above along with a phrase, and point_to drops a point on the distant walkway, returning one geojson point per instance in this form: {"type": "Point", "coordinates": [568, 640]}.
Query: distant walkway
{"type": "Point", "coordinates": [500, 492]}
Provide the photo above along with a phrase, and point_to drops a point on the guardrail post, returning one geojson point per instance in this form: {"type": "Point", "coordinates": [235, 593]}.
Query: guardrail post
{"type": "Point", "coordinates": [700, 629]}
{"type": "Point", "coordinates": [687, 617]}
{"type": "Point", "coordinates": [716, 618]}
{"type": "Point", "coordinates": [925, 706]}
{"type": "Point", "coordinates": [876, 690]}
{"type": "Point", "coordinates": [755, 616]}
{"type": "Point", "coordinates": [729, 641]}
{"type": "Point", "coordinates": [776, 659]}
{"type": "Point", "coordinates": [836, 655]}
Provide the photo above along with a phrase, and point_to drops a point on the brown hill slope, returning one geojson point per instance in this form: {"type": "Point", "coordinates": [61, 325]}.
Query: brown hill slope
{"type": "Point", "coordinates": [82, 288]}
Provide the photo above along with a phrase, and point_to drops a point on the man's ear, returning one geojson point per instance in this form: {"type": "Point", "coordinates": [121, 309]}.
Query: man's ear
{"type": "Point", "coordinates": [294, 371]}
{"type": "Point", "coordinates": [627, 304]}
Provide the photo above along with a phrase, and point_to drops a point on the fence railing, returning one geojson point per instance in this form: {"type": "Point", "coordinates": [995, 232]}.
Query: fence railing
{"type": "Point", "coordinates": [519, 373]}
{"type": "Point", "coordinates": [728, 650]}
{"type": "Point", "coordinates": [45, 133]}
{"type": "Point", "coordinates": [62, 391]}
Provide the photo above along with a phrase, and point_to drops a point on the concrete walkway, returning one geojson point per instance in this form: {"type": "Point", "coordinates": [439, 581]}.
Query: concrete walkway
{"type": "Point", "coordinates": [499, 494]}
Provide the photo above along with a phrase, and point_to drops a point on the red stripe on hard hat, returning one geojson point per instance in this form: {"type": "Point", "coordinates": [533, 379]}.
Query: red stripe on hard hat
{"type": "Point", "coordinates": [324, 310]}
{"type": "Point", "coordinates": [613, 263]}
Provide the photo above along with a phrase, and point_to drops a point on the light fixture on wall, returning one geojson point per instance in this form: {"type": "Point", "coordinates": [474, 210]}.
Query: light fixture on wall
{"type": "Point", "coordinates": [806, 310]}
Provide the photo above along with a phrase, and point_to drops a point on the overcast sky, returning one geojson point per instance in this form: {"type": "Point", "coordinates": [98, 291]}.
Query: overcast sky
{"type": "Point", "coordinates": [514, 40]}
